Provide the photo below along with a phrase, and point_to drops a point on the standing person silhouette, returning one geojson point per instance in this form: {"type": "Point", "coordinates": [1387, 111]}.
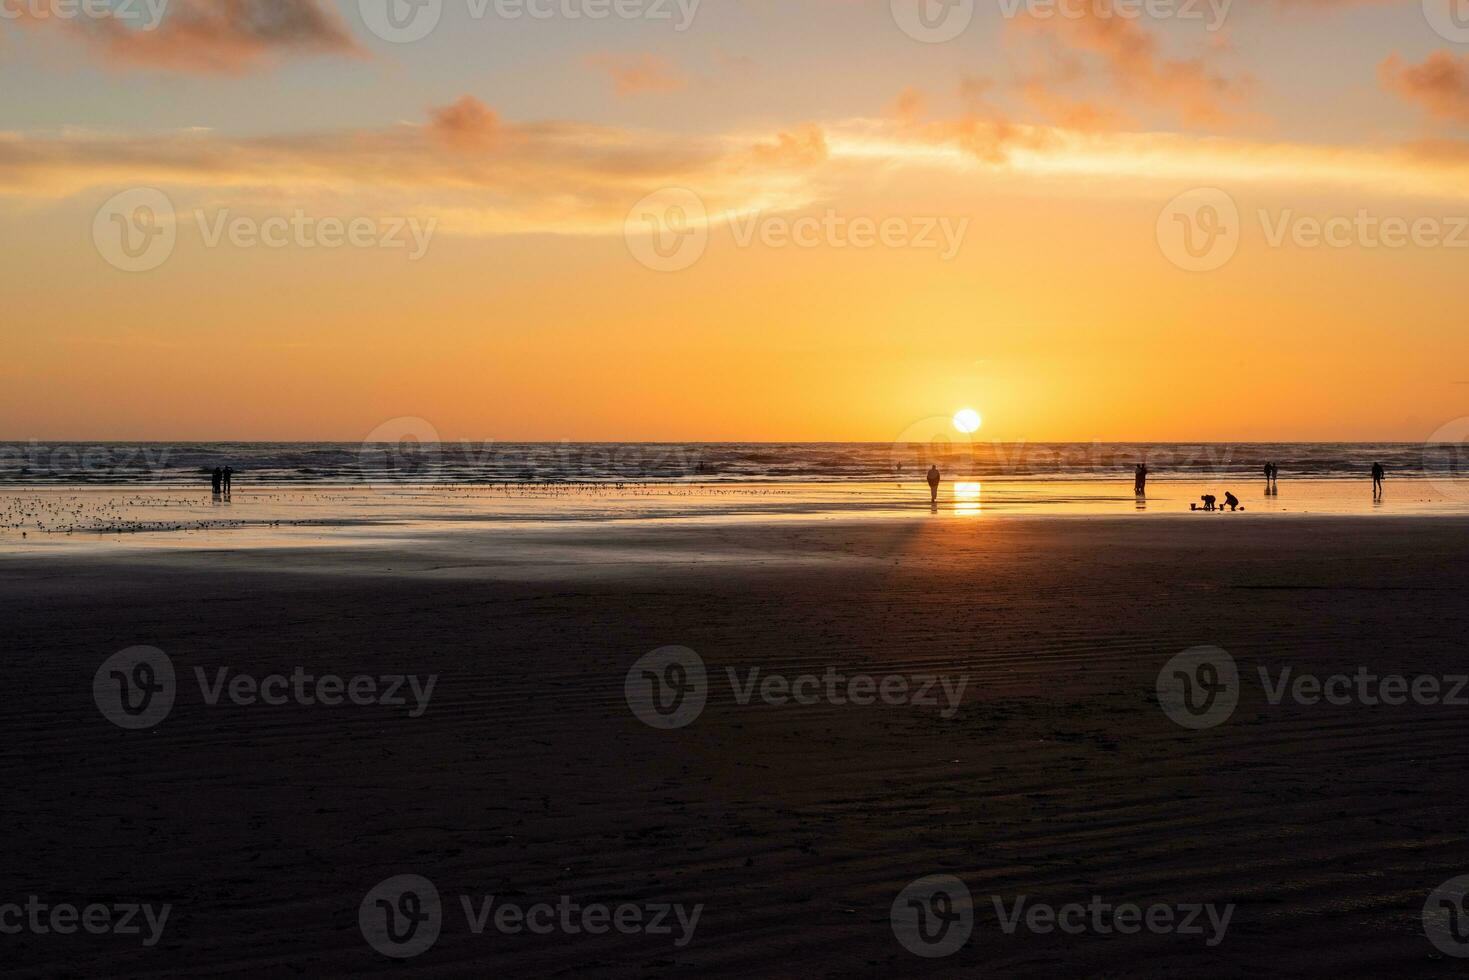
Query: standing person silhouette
{"type": "Point", "coordinates": [933, 483]}
{"type": "Point", "coordinates": [1140, 481]}
{"type": "Point", "coordinates": [228, 474]}
{"type": "Point", "coordinates": [216, 480]}
{"type": "Point", "coordinates": [1377, 474]}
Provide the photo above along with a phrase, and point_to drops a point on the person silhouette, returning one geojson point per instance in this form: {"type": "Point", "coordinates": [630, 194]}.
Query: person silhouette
{"type": "Point", "coordinates": [1208, 500]}
{"type": "Point", "coordinates": [1230, 500]}
{"type": "Point", "coordinates": [1377, 474]}
{"type": "Point", "coordinates": [933, 483]}
{"type": "Point", "coordinates": [216, 480]}
{"type": "Point", "coordinates": [228, 473]}
{"type": "Point", "coordinates": [1140, 478]}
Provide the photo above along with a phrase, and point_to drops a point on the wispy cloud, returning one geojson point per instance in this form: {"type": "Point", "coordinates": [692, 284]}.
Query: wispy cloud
{"type": "Point", "coordinates": [480, 174]}
{"type": "Point", "coordinates": [1095, 43]}
{"type": "Point", "coordinates": [639, 74]}
{"type": "Point", "coordinates": [210, 36]}
{"type": "Point", "coordinates": [468, 124]}
{"type": "Point", "coordinates": [1440, 85]}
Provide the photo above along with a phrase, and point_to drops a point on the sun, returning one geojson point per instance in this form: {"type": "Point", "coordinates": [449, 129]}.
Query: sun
{"type": "Point", "coordinates": [967, 420]}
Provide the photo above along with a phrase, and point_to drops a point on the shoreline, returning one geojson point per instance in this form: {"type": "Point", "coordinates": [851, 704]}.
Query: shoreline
{"type": "Point", "coordinates": [1118, 478]}
{"type": "Point", "coordinates": [258, 516]}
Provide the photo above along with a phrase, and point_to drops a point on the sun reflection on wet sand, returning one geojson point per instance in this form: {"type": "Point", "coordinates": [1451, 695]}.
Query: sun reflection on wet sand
{"type": "Point", "coordinates": [967, 501]}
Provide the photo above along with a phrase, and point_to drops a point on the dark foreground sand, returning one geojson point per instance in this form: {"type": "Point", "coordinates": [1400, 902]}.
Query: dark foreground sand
{"type": "Point", "coordinates": [528, 777]}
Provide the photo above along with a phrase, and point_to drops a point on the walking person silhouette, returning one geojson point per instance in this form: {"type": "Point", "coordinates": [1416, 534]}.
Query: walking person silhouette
{"type": "Point", "coordinates": [1377, 474]}
{"type": "Point", "coordinates": [933, 483]}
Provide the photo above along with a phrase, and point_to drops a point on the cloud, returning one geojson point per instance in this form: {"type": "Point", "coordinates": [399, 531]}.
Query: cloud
{"type": "Point", "coordinates": [213, 36]}
{"type": "Point", "coordinates": [1067, 160]}
{"type": "Point", "coordinates": [804, 147]}
{"type": "Point", "coordinates": [1335, 4]}
{"type": "Point", "coordinates": [1095, 37]}
{"type": "Point", "coordinates": [1440, 85]}
{"type": "Point", "coordinates": [1071, 113]}
{"type": "Point", "coordinates": [910, 105]}
{"type": "Point", "coordinates": [982, 130]}
{"type": "Point", "coordinates": [1440, 151]}
{"type": "Point", "coordinates": [639, 75]}
{"type": "Point", "coordinates": [468, 124]}
{"type": "Point", "coordinates": [520, 177]}
{"type": "Point", "coordinates": [478, 174]}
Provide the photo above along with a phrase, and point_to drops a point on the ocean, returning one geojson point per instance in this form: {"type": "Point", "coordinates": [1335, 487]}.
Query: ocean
{"type": "Point", "coordinates": [491, 463]}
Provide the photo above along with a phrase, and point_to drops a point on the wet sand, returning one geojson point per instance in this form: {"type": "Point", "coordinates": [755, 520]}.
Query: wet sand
{"type": "Point", "coordinates": [254, 516]}
{"type": "Point", "coordinates": [795, 826]}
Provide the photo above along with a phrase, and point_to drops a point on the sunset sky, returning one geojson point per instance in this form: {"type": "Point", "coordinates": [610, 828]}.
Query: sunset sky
{"type": "Point", "coordinates": [526, 147]}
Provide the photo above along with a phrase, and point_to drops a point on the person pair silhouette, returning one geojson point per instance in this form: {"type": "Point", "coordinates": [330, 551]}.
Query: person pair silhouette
{"type": "Point", "coordinates": [1211, 502]}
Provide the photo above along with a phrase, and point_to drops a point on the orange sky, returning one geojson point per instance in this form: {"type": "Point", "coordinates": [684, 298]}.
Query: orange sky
{"type": "Point", "coordinates": [1029, 265]}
